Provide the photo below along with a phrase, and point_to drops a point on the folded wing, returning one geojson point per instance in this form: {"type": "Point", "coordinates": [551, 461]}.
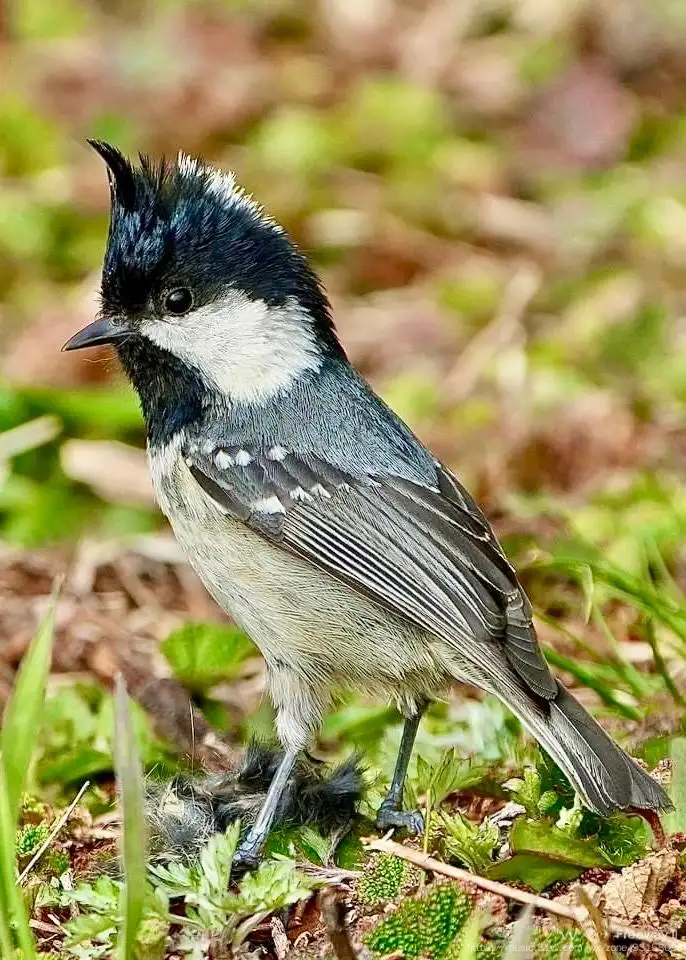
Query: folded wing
{"type": "Point", "coordinates": [424, 552]}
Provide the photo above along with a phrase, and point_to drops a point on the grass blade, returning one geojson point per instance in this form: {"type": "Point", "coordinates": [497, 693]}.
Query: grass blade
{"type": "Point", "coordinates": [11, 899]}
{"type": "Point", "coordinates": [7, 871]}
{"type": "Point", "coordinates": [134, 844]}
{"type": "Point", "coordinates": [17, 739]}
{"type": "Point", "coordinates": [470, 936]}
{"type": "Point", "coordinates": [23, 711]}
{"type": "Point", "coordinates": [592, 677]}
{"type": "Point", "coordinates": [675, 822]}
{"type": "Point", "coordinates": [519, 945]}
{"type": "Point", "coordinates": [661, 664]}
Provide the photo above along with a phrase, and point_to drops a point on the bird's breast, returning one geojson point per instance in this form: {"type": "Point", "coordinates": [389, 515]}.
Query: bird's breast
{"type": "Point", "coordinates": [298, 615]}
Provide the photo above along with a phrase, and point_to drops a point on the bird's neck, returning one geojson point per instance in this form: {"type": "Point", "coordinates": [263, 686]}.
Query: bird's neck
{"type": "Point", "coordinates": [171, 394]}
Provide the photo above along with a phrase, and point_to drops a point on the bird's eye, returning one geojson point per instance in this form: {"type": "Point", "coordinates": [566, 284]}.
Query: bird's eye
{"type": "Point", "coordinates": [179, 301]}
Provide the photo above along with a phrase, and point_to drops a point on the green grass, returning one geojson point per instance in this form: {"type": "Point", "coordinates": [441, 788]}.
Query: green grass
{"type": "Point", "coordinates": [134, 827]}
{"type": "Point", "coordinates": [17, 737]}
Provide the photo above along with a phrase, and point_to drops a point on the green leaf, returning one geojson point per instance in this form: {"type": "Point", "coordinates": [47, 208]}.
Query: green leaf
{"type": "Point", "coordinates": [82, 765]}
{"type": "Point", "coordinates": [534, 871]}
{"type": "Point", "coordinates": [452, 774]}
{"type": "Point", "coordinates": [215, 861]}
{"type": "Point", "coordinates": [204, 654]}
{"type": "Point", "coordinates": [134, 841]}
{"type": "Point", "coordinates": [314, 847]}
{"type": "Point", "coordinates": [274, 885]}
{"type": "Point", "coordinates": [542, 838]}
{"type": "Point", "coordinates": [675, 821]}
{"type": "Point", "coordinates": [23, 712]}
{"type": "Point", "coordinates": [470, 843]}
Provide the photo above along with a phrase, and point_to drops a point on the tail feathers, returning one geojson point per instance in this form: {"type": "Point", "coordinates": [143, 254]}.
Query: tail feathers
{"type": "Point", "coordinates": [605, 777]}
{"type": "Point", "coordinates": [184, 813]}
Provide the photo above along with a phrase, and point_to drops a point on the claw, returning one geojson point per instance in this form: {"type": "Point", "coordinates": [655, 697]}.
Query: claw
{"type": "Point", "coordinates": [247, 857]}
{"type": "Point", "coordinates": [410, 820]}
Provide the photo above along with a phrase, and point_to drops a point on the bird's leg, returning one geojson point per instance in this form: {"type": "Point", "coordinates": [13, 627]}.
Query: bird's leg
{"type": "Point", "coordinates": [249, 851]}
{"type": "Point", "coordinates": [391, 813]}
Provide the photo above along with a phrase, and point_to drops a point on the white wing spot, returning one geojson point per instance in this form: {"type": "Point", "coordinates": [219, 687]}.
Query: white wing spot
{"type": "Point", "coordinates": [189, 461]}
{"type": "Point", "coordinates": [269, 505]}
{"type": "Point", "coordinates": [223, 460]}
{"type": "Point", "coordinates": [243, 458]}
{"type": "Point", "coordinates": [277, 452]}
{"type": "Point", "coordinates": [299, 494]}
{"type": "Point", "coordinates": [319, 491]}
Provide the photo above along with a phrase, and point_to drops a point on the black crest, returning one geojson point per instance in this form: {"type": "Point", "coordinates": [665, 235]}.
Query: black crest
{"type": "Point", "coordinates": [119, 173]}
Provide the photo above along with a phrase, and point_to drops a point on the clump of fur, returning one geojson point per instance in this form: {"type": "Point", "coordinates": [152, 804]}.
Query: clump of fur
{"type": "Point", "coordinates": [185, 812]}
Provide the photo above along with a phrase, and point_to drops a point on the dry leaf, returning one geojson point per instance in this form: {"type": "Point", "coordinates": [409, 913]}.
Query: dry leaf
{"type": "Point", "coordinates": [638, 888]}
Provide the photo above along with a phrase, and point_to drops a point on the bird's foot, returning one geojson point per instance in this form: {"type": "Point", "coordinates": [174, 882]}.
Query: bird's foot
{"type": "Point", "coordinates": [247, 857]}
{"type": "Point", "coordinates": [389, 815]}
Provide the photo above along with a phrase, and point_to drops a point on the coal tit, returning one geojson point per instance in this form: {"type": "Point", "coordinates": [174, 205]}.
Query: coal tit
{"type": "Point", "coordinates": [313, 515]}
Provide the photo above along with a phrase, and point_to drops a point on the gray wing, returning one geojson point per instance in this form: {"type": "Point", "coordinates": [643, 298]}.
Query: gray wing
{"type": "Point", "coordinates": [426, 553]}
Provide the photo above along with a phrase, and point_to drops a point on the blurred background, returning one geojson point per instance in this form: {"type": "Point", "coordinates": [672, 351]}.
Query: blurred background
{"type": "Point", "coordinates": [494, 192]}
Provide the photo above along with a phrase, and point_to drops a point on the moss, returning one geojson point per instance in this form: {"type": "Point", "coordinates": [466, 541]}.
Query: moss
{"type": "Point", "coordinates": [55, 863]}
{"type": "Point", "coordinates": [557, 944]}
{"type": "Point", "coordinates": [425, 926]}
{"type": "Point", "coordinates": [33, 809]}
{"type": "Point", "coordinates": [29, 838]}
{"type": "Point", "coordinates": [485, 950]}
{"type": "Point", "coordinates": [382, 879]}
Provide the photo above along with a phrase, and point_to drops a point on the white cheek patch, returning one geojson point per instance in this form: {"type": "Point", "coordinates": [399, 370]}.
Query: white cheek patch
{"type": "Point", "coordinates": [245, 348]}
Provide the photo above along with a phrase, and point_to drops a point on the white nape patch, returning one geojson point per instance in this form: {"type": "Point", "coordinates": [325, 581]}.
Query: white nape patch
{"type": "Point", "coordinates": [277, 453]}
{"type": "Point", "coordinates": [299, 494]}
{"type": "Point", "coordinates": [242, 347]}
{"type": "Point", "coordinates": [269, 505]}
{"type": "Point", "coordinates": [242, 458]}
{"type": "Point", "coordinates": [223, 460]}
{"type": "Point", "coordinates": [319, 491]}
{"type": "Point", "coordinates": [223, 184]}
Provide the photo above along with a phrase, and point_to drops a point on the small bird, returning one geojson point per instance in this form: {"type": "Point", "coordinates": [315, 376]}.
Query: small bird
{"type": "Point", "coordinates": [311, 512]}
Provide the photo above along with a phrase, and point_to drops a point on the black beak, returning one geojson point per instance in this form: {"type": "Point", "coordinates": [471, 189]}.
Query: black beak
{"type": "Point", "coordinates": [100, 331]}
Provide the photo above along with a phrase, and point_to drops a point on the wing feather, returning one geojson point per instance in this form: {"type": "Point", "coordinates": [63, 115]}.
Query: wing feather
{"type": "Point", "coordinates": [425, 552]}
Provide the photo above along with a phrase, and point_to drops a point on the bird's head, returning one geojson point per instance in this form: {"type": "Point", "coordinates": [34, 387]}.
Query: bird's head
{"type": "Point", "coordinates": [198, 278]}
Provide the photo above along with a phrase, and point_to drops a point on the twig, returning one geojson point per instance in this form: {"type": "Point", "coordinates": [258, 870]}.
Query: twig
{"type": "Point", "coordinates": [282, 945]}
{"type": "Point", "coordinates": [59, 823]}
{"type": "Point", "coordinates": [333, 876]}
{"type": "Point", "coordinates": [336, 927]}
{"type": "Point", "coordinates": [49, 928]}
{"type": "Point", "coordinates": [594, 925]}
{"type": "Point", "coordinates": [576, 914]}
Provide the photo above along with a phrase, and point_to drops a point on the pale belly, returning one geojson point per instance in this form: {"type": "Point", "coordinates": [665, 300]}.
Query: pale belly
{"type": "Point", "coordinates": [301, 618]}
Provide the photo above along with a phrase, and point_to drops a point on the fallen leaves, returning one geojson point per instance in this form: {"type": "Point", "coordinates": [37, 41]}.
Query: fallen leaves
{"type": "Point", "coordinates": [637, 890]}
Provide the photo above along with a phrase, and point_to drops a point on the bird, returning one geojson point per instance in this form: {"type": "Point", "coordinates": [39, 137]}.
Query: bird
{"type": "Point", "coordinates": [313, 515]}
